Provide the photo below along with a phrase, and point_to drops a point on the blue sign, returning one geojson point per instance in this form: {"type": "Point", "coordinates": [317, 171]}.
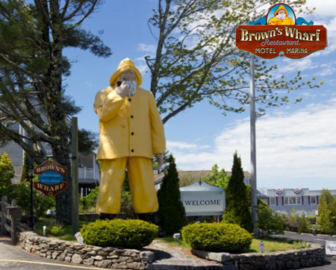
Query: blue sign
{"type": "Point", "coordinates": [50, 178]}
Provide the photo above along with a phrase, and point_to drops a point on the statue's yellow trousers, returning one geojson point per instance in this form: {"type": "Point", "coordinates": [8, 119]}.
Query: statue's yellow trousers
{"type": "Point", "coordinates": [140, 177]}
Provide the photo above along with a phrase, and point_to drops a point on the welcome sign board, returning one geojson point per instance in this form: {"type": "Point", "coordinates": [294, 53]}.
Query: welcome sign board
{"type": "Point", "coordinates": [280, 32]}
{"type": "Point", "coordinates": [202, 199]}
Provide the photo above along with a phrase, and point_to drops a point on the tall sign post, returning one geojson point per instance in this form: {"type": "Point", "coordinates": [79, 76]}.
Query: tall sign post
{"type": "Point", "coordinates": [280, 32]}
{"type": "Point", "coordinates": [74, 175]}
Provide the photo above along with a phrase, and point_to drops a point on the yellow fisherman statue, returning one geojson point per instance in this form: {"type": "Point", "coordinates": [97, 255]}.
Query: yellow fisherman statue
{"type": "Point", "coordinates": [131, 132]}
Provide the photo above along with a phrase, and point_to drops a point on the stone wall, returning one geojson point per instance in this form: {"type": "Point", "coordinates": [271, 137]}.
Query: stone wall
{"type": "Point", "coordinates": [108, 257]}
{"type": "Point", "coordinates": [293, 259]}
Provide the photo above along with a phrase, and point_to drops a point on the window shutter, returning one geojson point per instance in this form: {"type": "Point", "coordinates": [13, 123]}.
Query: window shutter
{"type": "Point", "coordinates": [302, 200]}
{"type": "Point", "coordinates": [282, 200]}
{"type": "Point", "coordinates": [268, 201]}
{"type": "Point", "coordinates": [308, 199]}
{"type": "Point", "coordinates": [276, 200]}
{"type": "Point", "coordinates": [317, 200]}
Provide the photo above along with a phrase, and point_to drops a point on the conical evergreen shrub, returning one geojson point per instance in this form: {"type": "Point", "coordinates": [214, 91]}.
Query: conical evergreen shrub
{"type": "Point", "coordinates": [237, 206]}
{"type": "Point", "coordinates": [171, 210]}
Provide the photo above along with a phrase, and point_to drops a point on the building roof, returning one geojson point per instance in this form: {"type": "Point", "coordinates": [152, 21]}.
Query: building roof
{"type": "Point", "coordinates": [201, 186]}
{"type": "Point", "coordinates": [203, 173]}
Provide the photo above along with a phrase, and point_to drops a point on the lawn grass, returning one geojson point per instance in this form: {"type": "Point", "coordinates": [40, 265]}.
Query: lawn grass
{"type": "Point", "coordinates": [66, 234]}
{"type": "Point", "coordinates": [271, 245]}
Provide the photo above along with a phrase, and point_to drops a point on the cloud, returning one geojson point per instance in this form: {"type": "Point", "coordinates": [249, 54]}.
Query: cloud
{"type": "Point", "coordinates": [293, 149]}
{"type": "Point", "coordinates": [184, 146]}
{"type": "Point", "coordinates": [147, 48]}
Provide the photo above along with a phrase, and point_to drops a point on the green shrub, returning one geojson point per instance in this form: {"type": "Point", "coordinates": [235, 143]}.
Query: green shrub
{"type": "Point", "coordinates": [300, 245]}
{"type": "Point", "coordinates": [119, 233]}
{"type": "Point", "coordinates": [54, 228]}
{"type": "Point", "coordinates": [303, 224]}
{"type": "Point", "coordinates": [219, 237]}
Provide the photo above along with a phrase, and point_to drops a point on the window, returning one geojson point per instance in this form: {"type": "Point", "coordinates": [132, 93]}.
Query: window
{"type": "Point", "coordinates": [272, 200]}
{"type": "Point", "coordinates": [292, 200]}
{"type": "Point", "coordinates": [313, 200]}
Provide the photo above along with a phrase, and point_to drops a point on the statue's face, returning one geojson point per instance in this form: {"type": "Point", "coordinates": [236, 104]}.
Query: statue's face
{"type": "Point", "coordinates": [127, 76]}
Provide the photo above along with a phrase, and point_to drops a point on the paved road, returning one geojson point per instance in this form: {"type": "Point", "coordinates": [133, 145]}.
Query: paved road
{"type": "Point", "coordinates": [15, 257]}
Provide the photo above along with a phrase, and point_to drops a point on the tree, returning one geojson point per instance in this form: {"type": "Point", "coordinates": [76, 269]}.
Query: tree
{"type": "Point", "coordinates": [196, 58]}
{"type": "Point", "coordinates": [42, 203]}
{"type": "Point", "coordinates": [6, 175]}
{"type": "Point", "coordinates": [217, 178]}
{"type": "Point", "coordinates": [269, 222]}
{"type": "Point", "coordinates": [237, 206]}
{"type": "Point", "coordinates": [32, 68]}
{"type": "Point", "coordinates": [327, 212]}
{"type": "Point", "coordinates": [171, 210]}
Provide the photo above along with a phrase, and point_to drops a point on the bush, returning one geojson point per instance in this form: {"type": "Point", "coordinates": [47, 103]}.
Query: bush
{"type": "Point", "coordinates": [303, 224]}
{"type": "Point", "coordinates": [218, 237]}
{"type": "Point", "coordinates": [54, 228]}
{"type": "Point", "coordinates": [119, 233]}
{"type": "Point", "coordinates": [269, 221]}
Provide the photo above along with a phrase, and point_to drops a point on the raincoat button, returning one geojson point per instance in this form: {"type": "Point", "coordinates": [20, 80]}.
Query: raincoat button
{"type": "Point", "coordinates": [132, 133]}
{"type": "Point", "coordinates": [129, 99]}
{"type": "Point", "coordinates": [132, 150]}
{"type": "Point", "coordinates": [132, 116]}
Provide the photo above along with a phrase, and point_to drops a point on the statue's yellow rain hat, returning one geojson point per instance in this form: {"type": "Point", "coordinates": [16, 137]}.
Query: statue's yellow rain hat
{"type": "Point", "coordinates": [125, 65]}
{"type": "Point", "coordinates": [279, 8]}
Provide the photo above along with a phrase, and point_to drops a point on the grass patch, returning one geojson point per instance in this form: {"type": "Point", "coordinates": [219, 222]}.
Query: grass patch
{"type": "Point", "coordinates": [66, 233]}
{"type": "Point", "coordinates": [274, 245]}
{"type": "Point", "coordinates": [173, 242]}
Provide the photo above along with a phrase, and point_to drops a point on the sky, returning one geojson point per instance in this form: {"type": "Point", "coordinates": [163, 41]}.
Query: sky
{"type": "Point", "coordinates": [296, 143]}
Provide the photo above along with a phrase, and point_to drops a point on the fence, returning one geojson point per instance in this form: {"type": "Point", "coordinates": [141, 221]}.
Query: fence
{"type": "Point", "coordinates": [10, 212]}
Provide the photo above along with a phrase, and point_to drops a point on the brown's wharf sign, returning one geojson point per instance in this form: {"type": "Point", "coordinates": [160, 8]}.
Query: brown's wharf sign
{"type": "Point", "coordinates": [50, 166]}
{"type": "Point", "coordinates": [280, 31]}
{"type": "Point", "coordinates": [50, 174]}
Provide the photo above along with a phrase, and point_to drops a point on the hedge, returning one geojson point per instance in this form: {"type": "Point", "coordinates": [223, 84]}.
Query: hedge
{"type": "Point", "coordinates": [119, 233]}
{"type": "Point", "coordinates": [219, 237]}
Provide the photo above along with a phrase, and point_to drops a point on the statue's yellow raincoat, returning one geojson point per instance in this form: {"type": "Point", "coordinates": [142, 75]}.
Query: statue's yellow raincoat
{"type": "Point", "coordinates": [131, 131]}
{"type": "Point", "coordinates": [275, 21]}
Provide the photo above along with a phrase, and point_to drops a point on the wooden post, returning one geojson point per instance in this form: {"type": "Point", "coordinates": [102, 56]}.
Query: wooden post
{"type": "Point", "coordinates": [13, 230]}
{"type": "Point", "coordinates": [74, 175]}
{"type": "Point", "coordinates": [3, 214]}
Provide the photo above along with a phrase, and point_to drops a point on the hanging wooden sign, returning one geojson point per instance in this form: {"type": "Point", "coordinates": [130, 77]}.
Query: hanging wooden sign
{"type": "Point", "coordinates": [281, 32]}
{"type": "Point", "coordinates": [50, 174]}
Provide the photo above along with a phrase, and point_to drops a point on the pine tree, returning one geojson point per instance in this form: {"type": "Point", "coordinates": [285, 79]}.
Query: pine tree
{"type": "Point", "coordinates": [33, 36]}
{"type": "Point", "coordinates": [171, 210]}
{"type": "Point", "coordinates": [327, 212]}
{"type": "Point", "coordinates": [237, 206]}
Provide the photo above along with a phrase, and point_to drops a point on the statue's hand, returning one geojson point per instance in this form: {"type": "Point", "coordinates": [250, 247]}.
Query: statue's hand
{"type": "Point", "coordinates": [123, 90]}
{"type": "Point", "coordinates": [159, 158]}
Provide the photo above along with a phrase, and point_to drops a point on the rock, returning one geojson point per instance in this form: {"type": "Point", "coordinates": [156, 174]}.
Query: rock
{"type": "Point", "coordinates": [98, 258]}
{"type": "Point", "coordinates": [77, 259]}
{"type": "Point", "coordinates": [147, 256]}
{"type": "Point", "coordinates": [112, 257]}
{"type": "Point", "coordinates": [88, 261]}
{"type": "Point", "coordinates": [61, 257]}
{"type": "Point", "coordinates": [55, 254]}
{"type": "Point", "coordinates": [134, 265]}
{"type": "Point", "coordinates": [106, 263]}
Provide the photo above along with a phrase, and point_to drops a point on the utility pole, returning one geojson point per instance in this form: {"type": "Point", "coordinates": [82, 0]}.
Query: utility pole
{"type": "Point", "coordinates": [74, 175]}
{"type": "Point", "coordinates": [253, 148]}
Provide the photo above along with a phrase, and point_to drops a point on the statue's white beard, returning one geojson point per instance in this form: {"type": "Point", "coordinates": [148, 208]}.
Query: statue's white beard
{"type": "Point", "coordinates": [132, 86]}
